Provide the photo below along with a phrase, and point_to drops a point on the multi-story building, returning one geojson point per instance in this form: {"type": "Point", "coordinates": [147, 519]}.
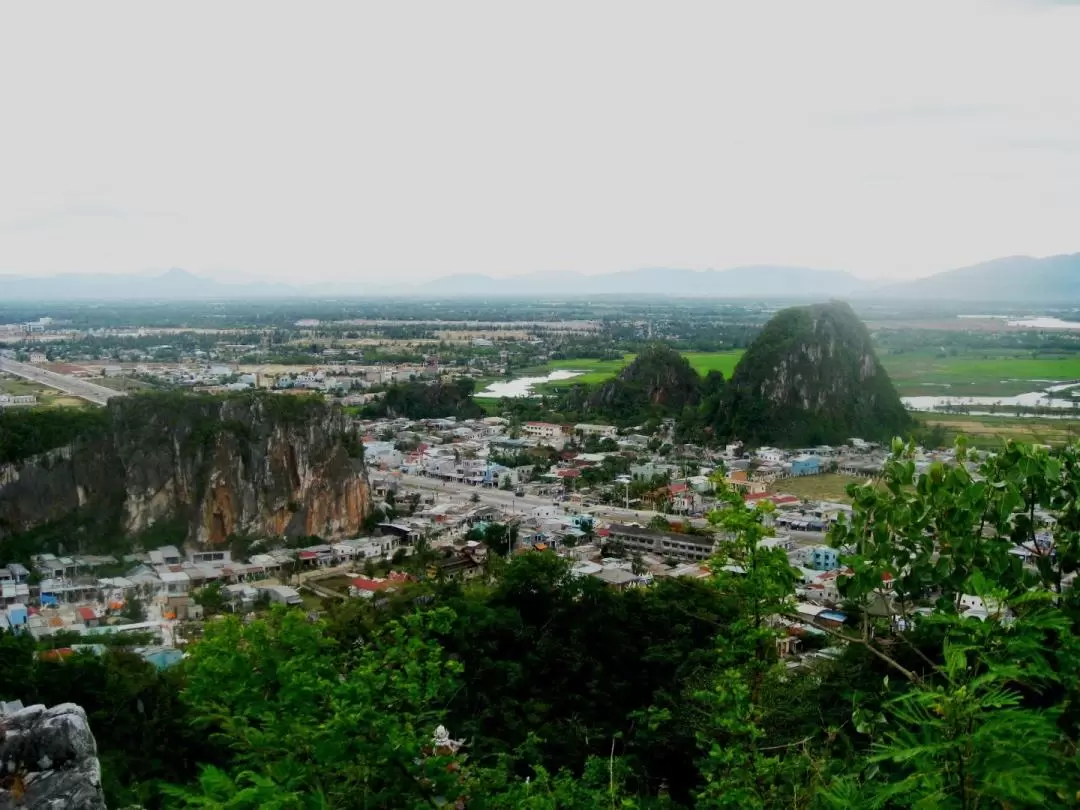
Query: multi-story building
{"type": "Point", "coordinates": [688, 547]}
{"type": "Point", "coordinates": [543, 430]}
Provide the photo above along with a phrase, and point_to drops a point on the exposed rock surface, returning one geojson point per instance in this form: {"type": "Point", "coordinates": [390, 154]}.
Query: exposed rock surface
{"type": "Point", "coordinates": [812, 377]}
{"type": "Point", "coordinates": [658, 377]}
{"type": "Point", "coordinates": [258, 464]}
{"type": "Point", "coordinates": [48, 760]}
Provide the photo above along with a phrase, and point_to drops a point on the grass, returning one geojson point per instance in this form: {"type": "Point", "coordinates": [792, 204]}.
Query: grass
{"type": "Point", "coordinates": [825, 487]}
{"type": "Point", "coordinates": [46, 397]}
{"type": "Point", "coordinates": [991, 431]}
{"type": "Point", "coordinates": [926, 373]}
{"type": "Point", "coordinates": [597, 371]}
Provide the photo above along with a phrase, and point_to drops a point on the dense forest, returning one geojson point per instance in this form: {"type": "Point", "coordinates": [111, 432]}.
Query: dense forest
{"type": "Point", "coordinates": [423, 399]}
{"type": "Point", "coordinates": [558, 692]}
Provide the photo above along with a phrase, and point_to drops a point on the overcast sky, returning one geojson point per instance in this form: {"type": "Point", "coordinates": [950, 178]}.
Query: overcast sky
{"type": "Point", "coordinates": [401, 140]}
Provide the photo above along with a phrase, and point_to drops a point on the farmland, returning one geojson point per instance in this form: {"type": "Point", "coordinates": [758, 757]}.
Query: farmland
{"type": "Point", "coordinates": [974, 374]}
{"type": "Point", "coordinates": [991, 431]}
{"type": "Point", "coordinates": [596, 371]}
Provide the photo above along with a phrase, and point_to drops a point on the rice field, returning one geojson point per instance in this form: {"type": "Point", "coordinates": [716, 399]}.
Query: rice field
{"type": "Point", "coordinates": [596, 371]}
{"type": "Point", "coordinates": [926, 373]}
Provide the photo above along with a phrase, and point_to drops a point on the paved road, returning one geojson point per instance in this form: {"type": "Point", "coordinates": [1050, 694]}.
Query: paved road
{"type": "Point", "coordinates": [507, 499]}
{"type": "Point", "coordinates": [502, 498]}
{"type": "Point", "coordinates": [98, 394]}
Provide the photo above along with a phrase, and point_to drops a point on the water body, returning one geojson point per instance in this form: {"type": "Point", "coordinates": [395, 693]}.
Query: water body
{"type": "Point", "coordinates": [522, 386]}
{"type": "Point", "coordinates": [1031, 322]}
{"type": "Point", "coordinates": [1032, 399]}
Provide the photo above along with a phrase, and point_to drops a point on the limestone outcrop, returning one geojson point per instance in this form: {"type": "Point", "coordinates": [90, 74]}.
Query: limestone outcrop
{"type": "Point", "coordinates": [48, 760]}
{"type": "Point", "coordinates": [257, 464]}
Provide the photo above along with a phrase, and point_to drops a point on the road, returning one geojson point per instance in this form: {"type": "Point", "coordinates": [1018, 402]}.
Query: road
{"type": "Point", "coordinates": [519, 505]}
{"type": "Point", "coordinates": [97, 394]}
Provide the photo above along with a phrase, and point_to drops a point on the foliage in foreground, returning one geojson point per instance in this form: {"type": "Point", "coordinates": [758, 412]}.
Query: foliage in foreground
{"type": "Point", "coordinates": [568, 695]}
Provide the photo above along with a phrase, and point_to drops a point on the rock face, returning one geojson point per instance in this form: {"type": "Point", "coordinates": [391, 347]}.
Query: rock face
{"type": "Point", "coordinates": [658, 378]}
{"type": "Point", "coordinates": [257, 464]}
{"type": "Point", "coordinates": [48, 760]}
{"type": "Point", "coordinates": [812, 377]}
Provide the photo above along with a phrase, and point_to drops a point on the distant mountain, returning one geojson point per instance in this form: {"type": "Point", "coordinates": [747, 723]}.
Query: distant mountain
{"type": "Point", "coordinates": [736, 282]}
{"type": "Point", "coordinates": [811, 377]}
{"type": "Point", "coordinates": [1014, 279]}
{"type": "Point", "coordinates": [174, 285]}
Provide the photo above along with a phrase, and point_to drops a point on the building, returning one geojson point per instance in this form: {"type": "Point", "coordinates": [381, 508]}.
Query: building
{"type": "Point", "coordinates": [545, 431]}
{"type": "Point", "coordinates": [824, 558]}
{"type": "Point", "coordinates": [602, 431]}
{"type": "Point", "coordinates": [805, 465]}
{"type": "Point", "coordinates": [283, 595]}
{"type": "Point", "coordinates": [686, 547]}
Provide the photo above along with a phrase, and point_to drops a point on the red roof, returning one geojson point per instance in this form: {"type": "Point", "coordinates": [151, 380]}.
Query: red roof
{"type": "Point", "coordinates": [784, 500]}
{"type": "Point", "coordinates": [308, 555]}
{"type": "Point", "coordinates": [603, 532]}
{"type": "Point", "coordinates": [675, 489]}
{"type": "Point", "coordinates": [365, 584]}
{"type": "Point", "coordinates": [56, 655]}
{"type": "Point", "coordinates": [568, 473]}
{"type": "Point", "coordinates": [87, 614]}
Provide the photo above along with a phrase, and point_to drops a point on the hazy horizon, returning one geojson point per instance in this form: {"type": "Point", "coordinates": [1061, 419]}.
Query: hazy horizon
{"type": "Point", "coordinates": [392, 144]}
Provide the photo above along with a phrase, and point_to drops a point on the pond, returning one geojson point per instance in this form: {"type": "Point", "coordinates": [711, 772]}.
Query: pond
{"type": "Point", "coordinates": [522, 386]}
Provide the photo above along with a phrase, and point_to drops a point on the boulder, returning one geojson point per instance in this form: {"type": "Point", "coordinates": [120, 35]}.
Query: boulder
{"type": "Point", "coordinates": [48, 760]}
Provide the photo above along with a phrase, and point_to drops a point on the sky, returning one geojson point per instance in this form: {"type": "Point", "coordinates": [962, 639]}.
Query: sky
{"type": "Point", "coordinates": [404, 141]}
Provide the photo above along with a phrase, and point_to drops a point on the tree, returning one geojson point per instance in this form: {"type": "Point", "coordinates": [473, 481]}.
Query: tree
{"type": "Point", "coordinates": [211, 598]}
{"type": "Point", "coordinates": [134, 609]}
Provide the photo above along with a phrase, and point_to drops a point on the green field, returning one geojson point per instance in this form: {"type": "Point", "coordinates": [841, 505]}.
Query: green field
{"type": "Point", "coordinates": [824, 487]}
{"type": "Point", "coordinates": [990, 432]}
{"type": "Point", "coordinates": [596, 371]}
{"type": "Point", "coordinates": [925, 373]}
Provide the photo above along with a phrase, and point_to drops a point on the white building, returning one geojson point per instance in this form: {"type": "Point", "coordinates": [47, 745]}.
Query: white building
{"type": "Point", "coordinates": [543, 430]}
{"type": "Point", "coordinates": [603, 431]}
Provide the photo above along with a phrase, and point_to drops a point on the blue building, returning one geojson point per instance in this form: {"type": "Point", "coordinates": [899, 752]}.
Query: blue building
{"type": "Point", "coordinates": [805, 465]}
{"type": "Point", "coordinates": [824, 558]}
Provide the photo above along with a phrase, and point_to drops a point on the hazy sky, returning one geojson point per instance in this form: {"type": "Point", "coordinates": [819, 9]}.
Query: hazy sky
{"type": "Point", "coordinates": [407, 140]}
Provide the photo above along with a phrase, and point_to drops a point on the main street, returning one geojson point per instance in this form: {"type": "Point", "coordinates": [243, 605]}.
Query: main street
{"type": "Point", "coordinates": [97, 394]}
{"type": "Point", "coordinates": [520, 504]}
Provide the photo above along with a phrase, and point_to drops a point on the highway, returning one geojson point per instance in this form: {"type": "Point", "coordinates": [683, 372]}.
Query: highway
{"type": "Point", "coordinates": [97, 394]}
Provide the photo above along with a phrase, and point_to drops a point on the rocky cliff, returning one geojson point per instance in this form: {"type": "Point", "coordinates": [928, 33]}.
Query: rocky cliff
{"type": "Point", "coordinates": [812, 377]}
{"type": "Point", "coordinates": [253, 464]}
{"type": "Point", "coordinates": [48, 760]}
{"type": "Point", "coordinates": [659, 380]}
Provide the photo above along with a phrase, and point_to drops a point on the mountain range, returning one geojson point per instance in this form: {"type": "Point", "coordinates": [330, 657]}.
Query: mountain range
{"type": "Point", "coordinates": [1007, 280]}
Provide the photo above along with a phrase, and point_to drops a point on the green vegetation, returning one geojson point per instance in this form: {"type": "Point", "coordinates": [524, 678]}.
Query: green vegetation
{"type": "Point", "coordinates": [991, 432]}
{"type": "Point", "coordinates": [999, 374]}
{"type": "Point", "coordinates": [825, 487]}
{"type": "Point", "coordinates": [811, 377]}
{"type": "Point", "coordinates": [598, 371]}
{"type": "Point", "coordinates": [569, 694]}
{"type": "Point", "coordinates": [27, 432]}
{"type": "Point", "coordinates": [418, 399]}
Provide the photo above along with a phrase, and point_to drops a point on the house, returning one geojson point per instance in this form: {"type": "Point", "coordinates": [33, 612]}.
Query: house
{"type": "Point", "coordinates": [459, 566]}
{"type": "Point", "coordinates": [805, 465]}
{"type": "Point", "coordinates": [175, 583]}
{"type": "Point", "coordinates": [240, 596]}
{"type": "Point", "coordinates": [770, 455]}
{"type": "Point", "coordinates": [618, 578]}
{"type": "Point", "coordinates": [88, 617]}
{"type": "Point", "coordinates": [218, 558]}
{"type": "Point", "coordinates": [283, 594]}
{"type": "Point", "coordinates": [544, 432]}
{"type": "Point", "coordinates": [166, 555]}
{"type": "Point", "coordinates": [824, 558]}
{"type": "Point", "coordinates": [601, 431]}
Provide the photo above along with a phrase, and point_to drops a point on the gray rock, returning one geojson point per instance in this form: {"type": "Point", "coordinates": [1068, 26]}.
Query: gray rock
{"type": "Point", "coordinates": [48, 760]}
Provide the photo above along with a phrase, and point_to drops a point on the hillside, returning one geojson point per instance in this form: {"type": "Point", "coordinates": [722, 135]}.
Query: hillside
{"type": "Point", "coordinates": [658, 380]}
{"type": "Point", "coordinates": [811, 377]}
{"type": "Point", "coordinates": [1014, 279]}
{"type": "Point", "coordinates": [250, 464]}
